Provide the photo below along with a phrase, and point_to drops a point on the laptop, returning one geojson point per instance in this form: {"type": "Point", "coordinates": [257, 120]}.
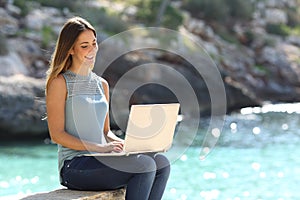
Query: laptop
{"type": "Point", "coordinates": [150, 128]}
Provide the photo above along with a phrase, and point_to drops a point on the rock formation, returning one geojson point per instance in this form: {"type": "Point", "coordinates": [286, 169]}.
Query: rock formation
{"type": "Point", "coordinates": [262, 67]}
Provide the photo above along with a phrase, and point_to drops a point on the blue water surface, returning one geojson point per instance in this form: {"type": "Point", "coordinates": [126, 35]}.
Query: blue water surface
{"type": "Point", "coordinates": [256, 157]}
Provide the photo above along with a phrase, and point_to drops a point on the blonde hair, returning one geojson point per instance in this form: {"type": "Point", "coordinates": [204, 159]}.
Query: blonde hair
{"type": "Point", "coordinates": [61, 59]}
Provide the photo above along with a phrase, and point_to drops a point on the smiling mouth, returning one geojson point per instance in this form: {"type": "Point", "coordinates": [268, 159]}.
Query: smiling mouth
{"type": "Point", "coordinates": [89, 57]}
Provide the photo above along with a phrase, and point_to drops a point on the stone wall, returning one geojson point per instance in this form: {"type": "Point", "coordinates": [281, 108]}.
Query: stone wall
{"type": "Point", "coordinates": [65, 194]}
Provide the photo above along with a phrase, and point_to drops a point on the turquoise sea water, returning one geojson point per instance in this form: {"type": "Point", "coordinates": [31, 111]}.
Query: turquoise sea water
{"type": "Point", "coordinates": [257, 157]}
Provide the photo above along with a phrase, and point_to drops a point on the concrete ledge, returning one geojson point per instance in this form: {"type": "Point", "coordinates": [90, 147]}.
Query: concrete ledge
{"type": "Point", "coordinates": [66, 194]}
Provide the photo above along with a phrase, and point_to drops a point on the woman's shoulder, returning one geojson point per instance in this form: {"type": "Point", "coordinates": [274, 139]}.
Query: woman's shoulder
{"type": "Point", "coordinates": [60, 79]}
{"type": "Point", "coordinates": [100, 79]}
{"type": "Point", "coordinates": [58, 82]}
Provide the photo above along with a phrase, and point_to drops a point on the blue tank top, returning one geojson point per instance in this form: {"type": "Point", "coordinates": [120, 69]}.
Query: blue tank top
{"type": "Point", "coordinates": [85, 110]}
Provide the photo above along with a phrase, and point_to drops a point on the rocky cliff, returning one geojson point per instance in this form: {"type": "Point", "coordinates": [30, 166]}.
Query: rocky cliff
{"type": "Point", "coordinates": [259, 67]}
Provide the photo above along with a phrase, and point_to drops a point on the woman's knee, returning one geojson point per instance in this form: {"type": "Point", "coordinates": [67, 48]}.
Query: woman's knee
{"type": "Point", "coordinates": [161, 161]}
{"type": "Point", "coordinates": [145, 164]}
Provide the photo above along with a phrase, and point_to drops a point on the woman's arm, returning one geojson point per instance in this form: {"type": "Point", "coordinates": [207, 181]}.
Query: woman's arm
{"type": "Point", "coordinates": [55, 102]}
{"type": "Point", "coordinates": [109, 135]}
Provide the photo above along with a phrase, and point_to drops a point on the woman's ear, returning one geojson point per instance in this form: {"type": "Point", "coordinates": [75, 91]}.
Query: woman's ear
{"type": "Point", "coordinates": [71, 52]}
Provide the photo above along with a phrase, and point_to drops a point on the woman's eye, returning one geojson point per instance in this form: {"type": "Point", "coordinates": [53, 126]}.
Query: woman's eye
{"type": "Point", "coordinates": [83, 47]}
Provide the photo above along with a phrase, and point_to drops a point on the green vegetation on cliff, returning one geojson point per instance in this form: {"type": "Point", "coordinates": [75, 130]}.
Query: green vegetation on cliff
{"type": "Point", "coordinates": [3, 45]}
{"type": "Point", "coordinates": [222, 11]}
{"type": "Point", "coordinates": [115, 16]}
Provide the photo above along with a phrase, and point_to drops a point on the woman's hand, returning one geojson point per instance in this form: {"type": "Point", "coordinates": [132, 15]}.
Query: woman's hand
{"type": "Point", "coordinates": [115, 146]}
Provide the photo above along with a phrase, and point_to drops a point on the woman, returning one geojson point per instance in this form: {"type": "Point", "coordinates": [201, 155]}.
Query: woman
{"type": "Point", "coordinates": [78, 120]}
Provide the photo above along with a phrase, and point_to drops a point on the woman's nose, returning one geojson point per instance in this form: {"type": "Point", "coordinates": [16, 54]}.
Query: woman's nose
{"type": "Point", "coordinates": [93, 50]}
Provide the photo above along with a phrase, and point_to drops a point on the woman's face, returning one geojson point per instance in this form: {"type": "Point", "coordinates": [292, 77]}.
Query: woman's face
{"type": "Point", "coordinates": [85, 48]}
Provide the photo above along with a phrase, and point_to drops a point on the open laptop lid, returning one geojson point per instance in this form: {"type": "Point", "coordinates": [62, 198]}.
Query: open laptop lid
{"type": "Point", "coordinates": [151, 127]}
